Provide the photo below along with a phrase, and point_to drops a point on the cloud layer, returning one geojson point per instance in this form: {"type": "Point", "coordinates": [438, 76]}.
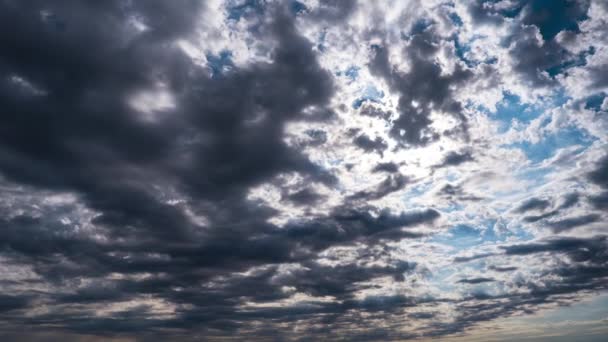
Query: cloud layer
{"type": "Point", "coordinates": [299, 170]}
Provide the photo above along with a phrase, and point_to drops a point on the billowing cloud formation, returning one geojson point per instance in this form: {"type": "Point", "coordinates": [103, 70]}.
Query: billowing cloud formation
{"type": "Point", "coordinates": [298, 170]}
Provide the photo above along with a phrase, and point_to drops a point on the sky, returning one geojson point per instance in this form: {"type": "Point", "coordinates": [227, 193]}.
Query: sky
{"type": "Point", "coordinates": [310, 170]}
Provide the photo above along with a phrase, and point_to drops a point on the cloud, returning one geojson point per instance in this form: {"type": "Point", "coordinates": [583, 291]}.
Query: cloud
{"type": "Point", "coordinates": [368, 144]}
{"type": "Point", "coordinates": [503, 269]}
{"type": "Point", "coordinates": [457, 193]}
{"type": "Point", "coordinates": [573, 222]}
{"type": "Point", "coordinates": [533, 204]}
{"type": "Point", "coordinates": [185, 170]}
{"type": "Point", "coordinates": [455, 158]}
{"type": "Point", "coordinates": [391, 183]}
{"type": "Point", "coordinates": [580, 249]}
{"type": "Point", "coordinates": [476, 280]}
{"type": "Point", "coordinates": [389, 167]}
{"type": "Point", "coordinates": [423, 87]}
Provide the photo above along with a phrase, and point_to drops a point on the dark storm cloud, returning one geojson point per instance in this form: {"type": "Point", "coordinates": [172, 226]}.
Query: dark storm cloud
{"type": "Point", "coordinates": [573, 222]}
{"type": "Point", "coordinates": [536, 218]}
{"type": "Point", "coordinates": [304, 197]}
{"type": "Point", "coordinates": [81, 135]}
{"type": "Point", "coordinates": [9, 303]}
{"type": "Point", "coordinates": [339, 281]}
{"type": "Point", "coordinates": [368, 144]}
{"type": "Point", "coordinates": [599, 176]}
{"type": "Point", "coordinates": [592, 249]}
{"type": "Point", "coordinates": [596, 73]}
{"type": "Point", "coordinates": [600, 201]}
{"type": "Point", "coordinates": [551, 17]}
{"type": "Point", "coordinates": [391, 183]}
{"type": "Point", "coordinates": [347, 226]}
{"type": "Point", "coordinates": [454, 158]}
{"type": "Point", "coordinates": [473, 257]}
{"type": "Point", "coordinates": [533, 204]}
{"type": "Point", "coordinates": [368, 109]}
{"type": "Point", "coordinates": [533, 59]}
{"type": "Point", "coordinates": [388, 167]}
{"type": "Point", "coordinates": [216, 307]}
{"type": "Point", "coordinates": [422, 87]}
{"type": "Point", "coordinates": [62, 140]}
{"type": "Point", "coordinates": [569, 200]}
{"type": "Point", "coordinates": [475, 280]}
{"type": "Point", "coordinates": [422, 315]}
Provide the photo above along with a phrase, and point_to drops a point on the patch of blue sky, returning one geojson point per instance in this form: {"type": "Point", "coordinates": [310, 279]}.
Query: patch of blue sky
{"type": "Point", "coordinates": [336, 161]}
{"type": "Point", "coordinates": [547, 147]}
{"type": "Point", "coordinates": [321, 42]}
{"type": "Point", "coordinates": [483, 289]}
{"type": "Point", "coordinates": [497, 232]}
{"type": "Point", "coordinates": [451, 208]}
{"type": "Point", "coordinates": [455, 18]}
{"type": "Point", "coordinates": [553, 16]}
{"type": "Point", "coordinates": [371, 94]}
{"type": "Point", "coordinates": [417, 190]}
{"type": "Point", "coordinates": [297, 7]}
{"type": "Point", "coordinates": [476, 264]}
{"type": "Point", "coordinates": [417, 28]}
{"type": "Point", "coordinates": [460, 237]}
{"type": "Point", "coordinates": [439, 279]}
{"type": "Point", "coordinates": [464, 236]}
{"type": "Point", "coordinates": [522, 234]}
{"type": "Point", "coordinates": [243, 8]}
{"type": "Point", "coordinates": [451, 176]}
{"type": "Point", "coordinates": [534, 176]}
{"type": "Point", "coordinates": [558, 98]}
{"type": "Point", "coordinates": [218, 64]}
{"type": "Point", "coordinates": [594, 102]}
{"type": "Point", "coordinates": [510, 108]}
{"type": "Point", "coordinates": [462, 48]}
{"type": "Point", "coordinates": [352, 73]}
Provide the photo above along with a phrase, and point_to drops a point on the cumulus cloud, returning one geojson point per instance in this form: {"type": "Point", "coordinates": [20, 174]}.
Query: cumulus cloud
{"type": "Point", "coordinates": [298, 170]}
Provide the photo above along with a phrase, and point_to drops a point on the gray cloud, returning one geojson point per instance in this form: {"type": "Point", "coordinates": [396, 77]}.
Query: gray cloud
{"type": "Point", "coordinates": [573, 222]}
{"type": "Point", "coordinates": [476, 280]}
{"type": "Point", "coordinates": [421, 88]}
{"type": "Point", "coordinates": [533, 204]}
{"type": "Point", "coordinates": [201, 218]}
{"type": "Point", "coordinates": [368, 144]}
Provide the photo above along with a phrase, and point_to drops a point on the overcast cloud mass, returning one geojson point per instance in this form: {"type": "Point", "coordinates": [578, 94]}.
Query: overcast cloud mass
{"type": "Point", "coordinates": [310, 170]}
